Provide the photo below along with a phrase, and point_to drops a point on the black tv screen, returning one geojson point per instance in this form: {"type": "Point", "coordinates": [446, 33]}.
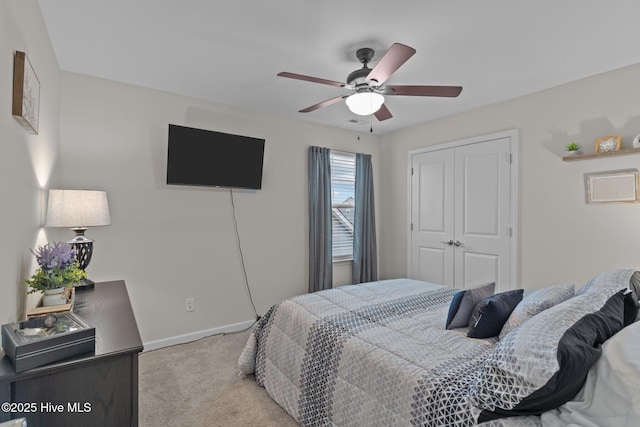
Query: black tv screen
{"type": "Point", "coordinates": [213, 159]}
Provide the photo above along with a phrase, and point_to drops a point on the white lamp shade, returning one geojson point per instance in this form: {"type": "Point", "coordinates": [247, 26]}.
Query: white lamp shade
{"type": "Point", "coordinates": [77, 208]}
{"type": "Point", "coordinates": [365, 103]}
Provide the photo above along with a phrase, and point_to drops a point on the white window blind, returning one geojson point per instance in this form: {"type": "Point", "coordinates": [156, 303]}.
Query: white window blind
{"type": "Point", "coordinates": [343, 181]}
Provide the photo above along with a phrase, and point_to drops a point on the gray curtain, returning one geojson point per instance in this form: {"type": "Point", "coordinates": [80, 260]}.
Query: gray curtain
{"type": "Point", "coordinates": [320, 257]}
{"type": "Point", "coordinates": [365, 267]}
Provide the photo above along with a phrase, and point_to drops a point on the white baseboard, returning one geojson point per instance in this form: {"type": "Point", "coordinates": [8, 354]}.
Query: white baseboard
{"type": "Point", "coordinates": [194, 336]}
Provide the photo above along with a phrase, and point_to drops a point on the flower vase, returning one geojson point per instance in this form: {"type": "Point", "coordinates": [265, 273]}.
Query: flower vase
{"type": "Point", "coordinates": [52, 297]}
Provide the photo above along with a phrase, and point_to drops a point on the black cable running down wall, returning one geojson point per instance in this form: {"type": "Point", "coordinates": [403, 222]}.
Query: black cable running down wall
{"type": "Point", "coordinates": [244, 270]}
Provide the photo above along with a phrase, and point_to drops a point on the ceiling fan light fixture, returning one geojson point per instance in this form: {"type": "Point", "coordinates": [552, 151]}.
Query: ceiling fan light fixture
{"type": "Point", "coordinates": [364, 103]}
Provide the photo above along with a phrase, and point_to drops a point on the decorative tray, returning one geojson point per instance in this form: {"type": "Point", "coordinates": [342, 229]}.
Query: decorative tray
{"type": "Point", "coordinates": [46, 339]}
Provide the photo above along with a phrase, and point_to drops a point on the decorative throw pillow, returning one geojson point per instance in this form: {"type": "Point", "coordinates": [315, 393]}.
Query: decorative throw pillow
{"type": "Point", "coordinates": [490, 314]}
{"type": "Point", "coordinates": [536, 302]}
{"type": "Point", "coordinates": [544, 362]}
{"type": "Point", "coordinates": [464, 302]}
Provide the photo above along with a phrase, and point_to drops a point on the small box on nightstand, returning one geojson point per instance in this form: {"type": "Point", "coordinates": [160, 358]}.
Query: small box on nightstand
{"type": "Point", "coordinates": [46, 339]}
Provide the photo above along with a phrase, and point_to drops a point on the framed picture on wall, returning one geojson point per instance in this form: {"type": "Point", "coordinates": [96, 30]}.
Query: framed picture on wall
{"type": "Point", "coordinates": [612, 187]}
{"type": "Point", "coordinates": [608, 143]}
{"type": "Point", "coordinates": [26, 93]}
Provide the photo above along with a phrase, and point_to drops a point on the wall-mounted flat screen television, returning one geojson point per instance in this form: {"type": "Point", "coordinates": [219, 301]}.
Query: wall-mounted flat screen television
{"type": "Point", "coordinates": [214, 159]}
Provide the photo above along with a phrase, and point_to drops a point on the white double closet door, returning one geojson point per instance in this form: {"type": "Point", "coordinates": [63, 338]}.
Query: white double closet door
{"type": "Point", "coordinates": [461, 226]}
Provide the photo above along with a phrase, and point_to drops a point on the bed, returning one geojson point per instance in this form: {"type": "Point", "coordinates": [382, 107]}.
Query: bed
{"type": "Point", "coordinates": [378, 354]}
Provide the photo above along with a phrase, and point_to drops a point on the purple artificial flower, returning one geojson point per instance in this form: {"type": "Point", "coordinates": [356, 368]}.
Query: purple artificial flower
{"type": "Point", "coordinates": [60, 255]}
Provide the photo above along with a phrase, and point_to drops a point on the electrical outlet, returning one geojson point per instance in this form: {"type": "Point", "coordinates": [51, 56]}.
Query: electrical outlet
{"type": "Point", "coordinates": [190, 304]}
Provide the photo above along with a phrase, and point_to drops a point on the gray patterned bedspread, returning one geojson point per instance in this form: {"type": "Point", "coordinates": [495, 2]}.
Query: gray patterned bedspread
{"type": "Point", "coordinates": [374, 354]}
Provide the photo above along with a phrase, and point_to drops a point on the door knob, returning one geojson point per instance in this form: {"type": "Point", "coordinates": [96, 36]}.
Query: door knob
{"type": "Point", "coordinates": [449, 242]}
{"type": "Point", "coordinates": [458, 243]}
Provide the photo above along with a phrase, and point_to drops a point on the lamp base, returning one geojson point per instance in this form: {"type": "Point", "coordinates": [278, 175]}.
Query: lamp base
{"type": "Point", "coordinates": [85, 284]}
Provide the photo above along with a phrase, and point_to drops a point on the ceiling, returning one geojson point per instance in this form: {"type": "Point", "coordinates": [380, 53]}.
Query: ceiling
{"type": "Point", "coordinates": [230, 51]}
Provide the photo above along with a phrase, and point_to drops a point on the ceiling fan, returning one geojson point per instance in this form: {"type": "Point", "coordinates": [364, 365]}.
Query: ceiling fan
{"type": "Point", "coordinates": [367, 84]}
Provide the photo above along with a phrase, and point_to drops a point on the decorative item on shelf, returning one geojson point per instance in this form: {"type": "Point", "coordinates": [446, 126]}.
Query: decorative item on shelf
{"type": "Point", "coordinates": [78, 210]}
{"type": "Point", "coordinates": [636, 141]}
{"type": "Point", "coordinates": [59, 269]}
{"type": "Point", "coordinates": [573, 149]}
{"type": "Point", "coordinates": [608, 143]}
{"type": "Point", "coordinates": [26, 93]}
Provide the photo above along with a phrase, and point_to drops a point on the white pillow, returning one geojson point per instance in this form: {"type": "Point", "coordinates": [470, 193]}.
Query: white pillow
{"type": "Point", "coordinates": [611, 394]}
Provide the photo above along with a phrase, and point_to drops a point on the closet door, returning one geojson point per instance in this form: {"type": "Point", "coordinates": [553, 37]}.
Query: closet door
{"type": "Point", "coordinates": [482, 212]}
{"type": "Point", "coordinates": [461, 215]}
{"type": "Point", "coordinates": [432, 213]}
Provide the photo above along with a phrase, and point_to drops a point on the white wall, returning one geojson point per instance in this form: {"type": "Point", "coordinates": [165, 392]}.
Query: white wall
{"type": "Point", "coordinates": [562, 239]}
{"type": "Point", "coordinates": [27, 162]}
{"type": "Point", "coordinates": [171, 242]}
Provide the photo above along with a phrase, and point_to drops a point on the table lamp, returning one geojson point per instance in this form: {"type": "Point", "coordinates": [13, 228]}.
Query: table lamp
{"type": "Point", "coordinates": [78, 210]}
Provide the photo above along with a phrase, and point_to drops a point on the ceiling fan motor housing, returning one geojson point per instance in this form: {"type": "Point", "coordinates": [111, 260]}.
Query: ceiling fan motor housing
{"type": "Point", "coordinates": [359, 77]}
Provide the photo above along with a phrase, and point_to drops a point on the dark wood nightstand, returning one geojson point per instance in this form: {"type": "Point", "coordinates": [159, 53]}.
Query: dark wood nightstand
{"type": "Point", "coordinates": [98, 389]}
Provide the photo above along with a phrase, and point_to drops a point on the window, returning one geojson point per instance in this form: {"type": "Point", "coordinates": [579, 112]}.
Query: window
{"type": "Point", "coordinates": [343, 183]}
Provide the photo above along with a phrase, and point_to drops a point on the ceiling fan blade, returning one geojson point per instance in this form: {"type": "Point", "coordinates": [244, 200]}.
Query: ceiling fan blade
{"type": "Point", "coordinates": [311, 79]}
{"type": "Point", "coordinates": [383, 113]}
{"type": "Point", "coordinates": [445, 91]}
{"type": "Point", "coordinates": [393, 58]}
{"type": "Point", "coordinates": [323, 104]}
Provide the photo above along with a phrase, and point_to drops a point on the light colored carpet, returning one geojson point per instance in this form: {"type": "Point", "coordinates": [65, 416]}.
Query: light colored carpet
{"type": "Point", "coordinates": [199, 384]}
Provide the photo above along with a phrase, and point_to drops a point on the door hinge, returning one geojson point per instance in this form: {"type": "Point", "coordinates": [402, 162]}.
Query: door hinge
{"type": "Point", "coordinates": [411, 171]}
{"type": "Point", "coordinates": [510, 158]}
{"type": "Point", "coordinates": [411, 226]}
{"type": "Point", "coordinates": [510, 231]}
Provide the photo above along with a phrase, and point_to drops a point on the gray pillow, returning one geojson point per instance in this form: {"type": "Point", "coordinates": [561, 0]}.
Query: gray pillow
{"type": "Point", "coordinates": [464, 302]}
{"type": "Point", "coordinates": [535, 302]}
{"type": "Point", "coordinates": [611, 282]}
{"type": "Point", "coordinates": [634, 282]}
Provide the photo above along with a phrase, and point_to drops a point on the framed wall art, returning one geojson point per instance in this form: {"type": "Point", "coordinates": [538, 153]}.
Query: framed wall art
{"type": "Point", "coordinates": [608, 143]}
{"type": "Point", "coordinates": [26, 93]}
{"type": "Point", "coordinates": [612, 187]}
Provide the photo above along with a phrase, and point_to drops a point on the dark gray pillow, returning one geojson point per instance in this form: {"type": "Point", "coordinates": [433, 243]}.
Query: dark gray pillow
{"type": "Point", "coordinates": [464, 302]}
{"type": "Point", "coordinates": [631, 307]}
{"type": "Point", "coordinates": [491, 313]}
